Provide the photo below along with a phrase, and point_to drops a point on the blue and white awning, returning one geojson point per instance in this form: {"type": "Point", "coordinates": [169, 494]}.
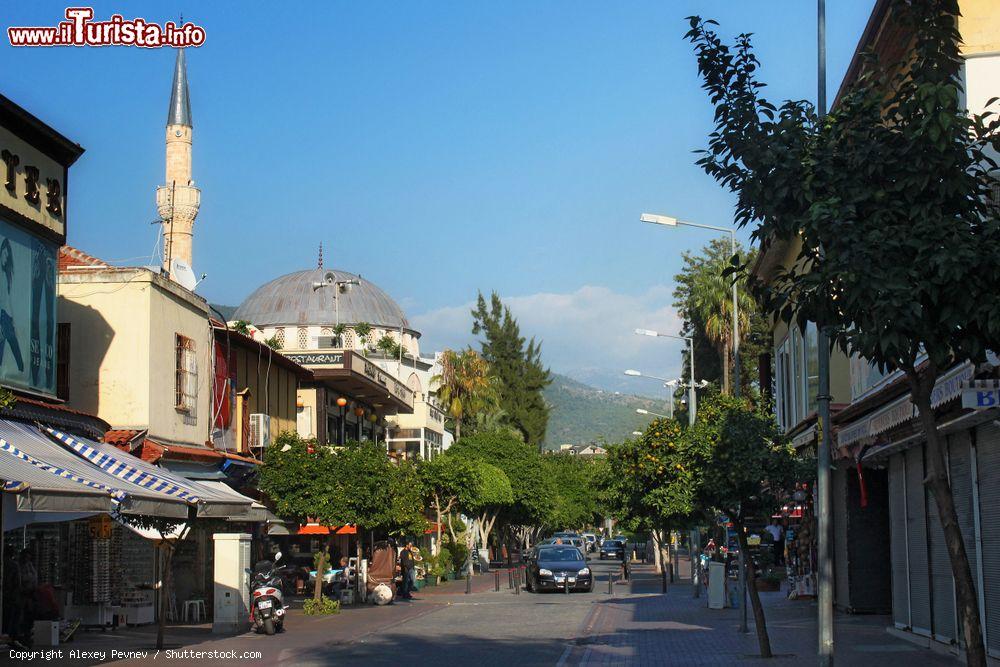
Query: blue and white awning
{"type": "Point", "coordinates": [120, 464]}
{"type": "Point", "coordinates": [210, 502]}
{"type": "Point", "coordinates": [45, 477]}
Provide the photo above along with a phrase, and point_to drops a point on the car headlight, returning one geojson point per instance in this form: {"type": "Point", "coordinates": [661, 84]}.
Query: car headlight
{"type": "Point", "coordinates": [542, 572]}
{"type": "Point", "coordinates": [585, 570]}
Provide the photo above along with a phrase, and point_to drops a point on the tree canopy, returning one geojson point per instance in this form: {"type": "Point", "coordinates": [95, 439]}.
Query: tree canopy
{"type": "Point", "coordinates": [519, 371]}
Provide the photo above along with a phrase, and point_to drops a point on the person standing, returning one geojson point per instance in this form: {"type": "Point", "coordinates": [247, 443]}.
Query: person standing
{"type": "Point", "coordinates": [778, 545]}
{"type": "Point", "coordinates": [406, 566]}
{"type": "Point", "coordinates": [416, 558]}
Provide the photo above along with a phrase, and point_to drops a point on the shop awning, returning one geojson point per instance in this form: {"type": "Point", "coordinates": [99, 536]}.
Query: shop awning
{"type": "Point", "coordinates": [210, 502]}
{"type": "Point", "coordinates": [47, 478]}
{"type": "Point", "coordinates": [257, 513]}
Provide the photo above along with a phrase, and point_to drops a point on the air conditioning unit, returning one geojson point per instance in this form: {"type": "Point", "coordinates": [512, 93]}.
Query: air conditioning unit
{"type": "Point", "coordinates": [260, 430]}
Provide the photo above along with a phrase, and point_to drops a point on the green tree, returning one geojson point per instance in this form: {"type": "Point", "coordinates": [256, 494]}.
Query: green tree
{"type": "Point", "coordinates": [704, 298]}
{"type": "Point", "coordinates": [518, 368]}
{"type": "Point", "coordinates": [532, 488]}
{"type": "Point", "coordinates": [491, 496]}
{"type": "Point", "coordinates": [465, 386]}
{"type": "Point", "coordinates": [890, 199]}
{"type": "Point", "coordinates": [576, 495]}
{"type": "Point", "coordinates": [742, 466]}
{"type": "Point", "coordinates": [361, 330]}
{"type": "Point", "coordinates": [650, 482]}
{"type": "Point", "coordinates": [355, 484]}
{"type": "Point", "coordinates": [449, 483]}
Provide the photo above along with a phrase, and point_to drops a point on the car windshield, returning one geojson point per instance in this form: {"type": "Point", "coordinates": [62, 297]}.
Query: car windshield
{"type": "Point", "coordinates": [612, 544]}
{"type": "Point", "coordinates": [560, 554]}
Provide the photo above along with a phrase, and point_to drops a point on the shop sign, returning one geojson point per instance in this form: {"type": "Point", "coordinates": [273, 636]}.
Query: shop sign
{"type": "Point", "coordinates": [318, 359]}
{"type": "Point", "coordinates": [99, 527]}
{"type": "Point", "coordinates": [27, 310]}
{"type": "Point", "coordinates": [981, 394]}
{"type": "Point", "coordinates": [32, 188]}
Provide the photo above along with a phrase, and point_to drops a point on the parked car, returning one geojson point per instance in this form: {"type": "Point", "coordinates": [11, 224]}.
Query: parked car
{"type": "Point", "coordinates": [614, 549]}
{"type": "Point", "coordinates": [557, 567]}
{"type": "Point", "coordinates": [579, 543]}
{"type": "Point", "coordinates": [591, 541]}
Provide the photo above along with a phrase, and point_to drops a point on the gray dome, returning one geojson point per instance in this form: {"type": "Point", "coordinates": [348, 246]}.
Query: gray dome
{"type": "Point", "coordinates": [291, 300]}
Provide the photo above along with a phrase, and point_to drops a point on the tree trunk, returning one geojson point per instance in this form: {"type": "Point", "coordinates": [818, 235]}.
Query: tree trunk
{"type": "Point", "coordinates": [724, 357]}
{"type": "Point", "coordinates": [751, 584]}
{"type": "Point", "coordinates": [320, 569]}
{"type": "Point", "coordinates": [458, 428]}
{"type": "Point", "coordinates": [161, 624]}
{"type": "Point", "coordinates": [937, 481]}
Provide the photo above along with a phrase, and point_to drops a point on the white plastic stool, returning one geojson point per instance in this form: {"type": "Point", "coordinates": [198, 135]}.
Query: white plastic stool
{"type": "Point", "coordinates": [346, 596]}
{"type": "Point", "coordinates": [195, 609]}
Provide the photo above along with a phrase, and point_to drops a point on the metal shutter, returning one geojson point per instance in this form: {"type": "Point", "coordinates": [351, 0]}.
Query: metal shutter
{"type": "Point", "coordinates": [897, 542]}
{"type": "Point", "coordinates": [842, 589]}
{"type": "Point", "coordinates": [916, 542]}
{"type": "Point", "coordinates": [988, 466]}
{"type": "Point", "coordinates": [959, 448]}
{"type": "Point", "coordinates": [942, 581]}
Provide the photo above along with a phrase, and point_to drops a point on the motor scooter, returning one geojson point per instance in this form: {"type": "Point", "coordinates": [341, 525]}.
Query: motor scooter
{"type": "Point", "coordinates": [267, 608]}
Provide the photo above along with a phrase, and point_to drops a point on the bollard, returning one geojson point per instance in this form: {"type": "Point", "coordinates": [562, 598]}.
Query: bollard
{"type": "Point", "coordinates": [517, 582]}
{"type": "Point", "coordinates": [468, 582]}
{"type": "Point", "coordinates": [611, 590]}
{"type": "Point", "coordinates": [496, 586]}
{"type": "Point", "coordinates": [566, 586]}
{"type": "Point", "coordinates": [510, 579]}
{"type": "Point", "coordinates": [664, 571]}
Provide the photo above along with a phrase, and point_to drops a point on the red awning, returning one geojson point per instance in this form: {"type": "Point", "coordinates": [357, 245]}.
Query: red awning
{"type": "Point", "coordinates": [317, 529]}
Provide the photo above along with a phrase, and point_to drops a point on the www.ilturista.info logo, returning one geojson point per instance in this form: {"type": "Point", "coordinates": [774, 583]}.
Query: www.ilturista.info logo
{"type": "Point", "coordinates": [80, 30]}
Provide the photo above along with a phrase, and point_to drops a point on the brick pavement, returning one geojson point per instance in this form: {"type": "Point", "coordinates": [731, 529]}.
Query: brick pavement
{"type": "Point", "coordinates": [648, 628]}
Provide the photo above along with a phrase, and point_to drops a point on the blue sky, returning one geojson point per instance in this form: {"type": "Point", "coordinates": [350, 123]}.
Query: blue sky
{"type": "Point", "coordinates": [436, 148]}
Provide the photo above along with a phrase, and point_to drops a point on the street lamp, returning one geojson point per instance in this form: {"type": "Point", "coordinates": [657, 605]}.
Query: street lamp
{"type": "Point", "coordinates": [693, 401]}
{"type": "Point", "coordinates": [647, 412]}
{"type": "Point", "coordinates": [667, 384]}
{"type": "Point", "coordinates": [669, 221]}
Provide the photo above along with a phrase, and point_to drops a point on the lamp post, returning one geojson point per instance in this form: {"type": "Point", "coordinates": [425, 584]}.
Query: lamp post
{"type": "Point", "coordinates": [668, 221]}
{"type": "Point", "coordinates": [674, 222]}
{"type": "Point", "coordinates": [341, 434]}
{"type": "Point", "coordinates": [640, 411]}
{"type": "Point", "coordinates": [330, 280]}
{"type": "Point", "coordinates": [692, 398]}
{"type": "Point", "coordinates": [667, 384]}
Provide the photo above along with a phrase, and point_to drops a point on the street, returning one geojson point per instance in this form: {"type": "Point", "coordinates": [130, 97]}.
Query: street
{"type": "Point", "coordinates": [636, 625]}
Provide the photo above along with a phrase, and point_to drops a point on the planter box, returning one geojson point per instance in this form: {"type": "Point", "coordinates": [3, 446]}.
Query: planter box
{"type": "Point", "coordinates": [764, 585]}
{"type": "Point", "coordinates": [431, 580]}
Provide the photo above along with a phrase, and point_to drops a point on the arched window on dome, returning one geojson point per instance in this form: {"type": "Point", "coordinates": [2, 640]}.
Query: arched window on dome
{"type": "Point", "coordinates": [349, 339]}
{"type": "Point", "coordinates": [303, 338]}
{"type": "Point", "coordinates": [279, 335]}
{"type": "Point", "coordinates": [326, 331]}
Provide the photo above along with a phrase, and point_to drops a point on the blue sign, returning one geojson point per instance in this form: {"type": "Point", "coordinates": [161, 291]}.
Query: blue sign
{"type": "Point", "coordinates": [27, 310]}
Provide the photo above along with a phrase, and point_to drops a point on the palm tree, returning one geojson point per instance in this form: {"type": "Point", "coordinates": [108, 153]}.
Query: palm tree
{"type": "Point", "coordinates": [707, 297]}
{"type": "Point", "coordinates": [465, 386]}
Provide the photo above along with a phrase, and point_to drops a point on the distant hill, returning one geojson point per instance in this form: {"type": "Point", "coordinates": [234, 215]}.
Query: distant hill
{"type": "Point", "coordinates": [227, 311]}
{"type": "Point", "coordinates": [581, 413]}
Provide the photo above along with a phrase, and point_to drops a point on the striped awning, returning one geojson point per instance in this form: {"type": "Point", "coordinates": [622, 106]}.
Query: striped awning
{"type": "Point", "coordinates": [118, 464]}
{"type": "Point", "coordinates": [44, 477]}
{"type": "Point", "coordinates": [210, 502]}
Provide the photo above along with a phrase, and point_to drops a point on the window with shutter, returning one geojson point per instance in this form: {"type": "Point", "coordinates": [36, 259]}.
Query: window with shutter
{"type": "Point", "coordinates": [186, 386]}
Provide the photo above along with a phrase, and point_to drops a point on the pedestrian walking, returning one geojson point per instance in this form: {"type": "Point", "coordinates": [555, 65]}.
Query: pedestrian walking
{"type": "Point", "coordinates": [406, 566]}
{"type": "Point", "coordinates": [417, 558]}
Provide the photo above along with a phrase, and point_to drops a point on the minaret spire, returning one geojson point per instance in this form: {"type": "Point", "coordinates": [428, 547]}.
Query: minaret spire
{"type": "Point", "coordinates": [319, 264]}
{"type": "Point", "coordinates": [178, 200]}
{"type": "Point", "coordinates": [179, 112]}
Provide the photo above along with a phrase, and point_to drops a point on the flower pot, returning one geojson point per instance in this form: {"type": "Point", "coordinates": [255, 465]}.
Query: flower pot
{"type": "Point", "coordinates": [431, 580]}
{"type": "Point", "coordinates": [766, 585]}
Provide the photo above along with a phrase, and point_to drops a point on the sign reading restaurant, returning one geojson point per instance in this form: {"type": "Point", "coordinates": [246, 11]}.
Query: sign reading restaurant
{"type": "Point", "coordinates": [34, 161]}
{"type": "Point", "coordinates": [356, 363]}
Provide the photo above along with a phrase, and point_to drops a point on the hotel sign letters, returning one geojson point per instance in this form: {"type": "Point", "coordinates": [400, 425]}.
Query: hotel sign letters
{"type": "Point", "coordinates": [33, 192]}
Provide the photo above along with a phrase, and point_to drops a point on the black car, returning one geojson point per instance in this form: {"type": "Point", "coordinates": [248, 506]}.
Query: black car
{"type": "Point", "coordinates": [555, 567]}
{"type": "Point", "coordinates": [614, 549]}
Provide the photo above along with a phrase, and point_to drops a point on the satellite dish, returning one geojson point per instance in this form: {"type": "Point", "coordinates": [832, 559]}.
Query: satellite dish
{"type": "Point", "coordinates": [182, 274]}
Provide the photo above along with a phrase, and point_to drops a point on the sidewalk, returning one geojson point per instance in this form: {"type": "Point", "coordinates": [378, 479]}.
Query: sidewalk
{"type": "Point", "coordinates": [354, 623]}
{"type": "Point", "coordinates": [649, 628]}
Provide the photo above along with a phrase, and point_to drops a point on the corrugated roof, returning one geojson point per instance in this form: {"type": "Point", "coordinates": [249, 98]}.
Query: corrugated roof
{"type": "Point", "coordinates": [291, 301]}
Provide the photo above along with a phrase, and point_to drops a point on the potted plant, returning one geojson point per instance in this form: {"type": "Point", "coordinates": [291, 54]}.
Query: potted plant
{"type": "Point", "coordinates": [770, 581]}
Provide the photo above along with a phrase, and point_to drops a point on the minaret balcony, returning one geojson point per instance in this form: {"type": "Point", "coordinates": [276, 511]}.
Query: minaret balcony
{"type": "Point", "coordinates": [178, 202]}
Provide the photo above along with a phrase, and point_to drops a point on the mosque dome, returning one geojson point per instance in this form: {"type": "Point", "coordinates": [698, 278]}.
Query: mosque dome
{"type": "Point", "coordinates": [290, 300]}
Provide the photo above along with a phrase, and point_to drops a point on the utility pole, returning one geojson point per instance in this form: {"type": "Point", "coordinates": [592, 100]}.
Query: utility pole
{"type": "Point", "coordinates": [823, 501]}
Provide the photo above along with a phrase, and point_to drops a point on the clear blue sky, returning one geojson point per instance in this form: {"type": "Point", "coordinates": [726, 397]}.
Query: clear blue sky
{"type": "Point", "coordinates": [436, 147]}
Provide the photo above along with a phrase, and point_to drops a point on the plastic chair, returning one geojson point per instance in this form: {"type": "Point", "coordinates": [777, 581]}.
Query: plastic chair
{"type": "Point", "coordinates": [195, 609]}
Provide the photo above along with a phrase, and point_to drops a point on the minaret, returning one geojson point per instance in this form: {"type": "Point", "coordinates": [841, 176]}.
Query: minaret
{"type": "Point", "coordinates": [177, 202]}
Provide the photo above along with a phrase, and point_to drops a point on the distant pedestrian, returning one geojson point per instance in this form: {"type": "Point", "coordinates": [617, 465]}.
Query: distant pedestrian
{"type": "Point", "coordinates": [406, 566]}
{"type": "Point", "coordinates": [778, 547]}
{"type": "Point", "coordinates": [417, 558]}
